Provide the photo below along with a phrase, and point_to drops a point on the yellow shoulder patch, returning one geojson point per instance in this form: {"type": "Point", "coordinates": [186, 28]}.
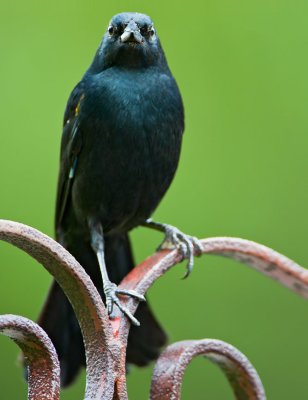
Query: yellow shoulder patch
{"type": "Point", "coordinates": [78, 105]}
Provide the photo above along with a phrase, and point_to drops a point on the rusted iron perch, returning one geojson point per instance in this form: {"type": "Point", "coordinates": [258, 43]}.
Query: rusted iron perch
{"type": "Point", "coordinates": [106, 339]}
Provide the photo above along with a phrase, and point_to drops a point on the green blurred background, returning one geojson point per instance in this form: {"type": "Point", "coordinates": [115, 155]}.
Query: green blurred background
{"type": "Point", "coordinates": [242, 67]}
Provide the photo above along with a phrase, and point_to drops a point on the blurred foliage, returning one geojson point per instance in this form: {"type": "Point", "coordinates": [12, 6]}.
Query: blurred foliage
{"type": "Point", "coordinates": [242, 69]}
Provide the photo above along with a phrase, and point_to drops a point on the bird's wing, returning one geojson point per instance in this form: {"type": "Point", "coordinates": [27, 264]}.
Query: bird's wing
{"type": "Point", "coordinates": [70, 149]}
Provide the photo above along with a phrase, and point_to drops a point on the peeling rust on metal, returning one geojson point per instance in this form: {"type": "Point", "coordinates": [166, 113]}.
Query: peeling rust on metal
{"type": "Point", "coordinates": [106, 339]}
{"type": "Point", "coordinates": [39, 353]}
{"type": "Point", "coordinates": [170, 367]}
{"type": "Point", "coordinates": [86, 301]}
{"type": "Point", "coordinates": [255, 255]}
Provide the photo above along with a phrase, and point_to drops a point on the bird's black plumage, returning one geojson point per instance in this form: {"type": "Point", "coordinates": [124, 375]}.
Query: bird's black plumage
{"type": "Point", "coordinates": [121, 142]}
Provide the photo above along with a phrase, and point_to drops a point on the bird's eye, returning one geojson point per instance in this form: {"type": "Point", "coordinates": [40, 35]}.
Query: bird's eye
{"type": "Point", "coordinates": [144, 30]}
{"type": "Point", "coordinates": [147, 30]}
{"type": "Point", "coordinates": [111, 30]}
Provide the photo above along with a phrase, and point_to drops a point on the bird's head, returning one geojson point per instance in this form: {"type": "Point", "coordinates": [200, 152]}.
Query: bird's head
{"type": "Point", "coordinates": [130, 41]}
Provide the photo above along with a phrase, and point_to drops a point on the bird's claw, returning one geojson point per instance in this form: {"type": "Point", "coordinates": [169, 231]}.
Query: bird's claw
{"type": "Point", "coordinates": [188, 245]}
{"type": "Point", "coordinates": [112, 292]}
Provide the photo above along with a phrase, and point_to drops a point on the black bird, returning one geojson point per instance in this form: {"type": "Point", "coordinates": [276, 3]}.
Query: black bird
{"type": "Point", "coordinates": [121, 142]}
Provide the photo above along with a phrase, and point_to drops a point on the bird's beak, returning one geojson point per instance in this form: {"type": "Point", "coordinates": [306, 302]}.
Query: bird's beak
{"type": "Point", "coordinates": [131, 34]}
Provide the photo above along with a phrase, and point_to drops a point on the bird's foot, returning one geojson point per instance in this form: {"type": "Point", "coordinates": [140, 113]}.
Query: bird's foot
{"type": "Point", "coordinates": [188, 245]}
{"type": "Point", "coordinates": [112, 291]}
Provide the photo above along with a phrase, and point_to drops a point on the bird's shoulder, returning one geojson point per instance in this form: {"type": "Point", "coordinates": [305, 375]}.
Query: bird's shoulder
{"type": "Point", "coordinates": [74, 102]}
{"type": "Point", "coordinates": [71, 138]}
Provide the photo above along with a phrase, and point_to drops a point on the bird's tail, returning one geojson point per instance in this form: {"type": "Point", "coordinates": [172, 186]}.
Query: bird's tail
{"type": "Point", "coordinates": [59, 321]}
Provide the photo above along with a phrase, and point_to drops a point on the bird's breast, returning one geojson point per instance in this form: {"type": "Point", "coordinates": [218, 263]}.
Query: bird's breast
{"type": "Point", "coordinates": [132, 136]}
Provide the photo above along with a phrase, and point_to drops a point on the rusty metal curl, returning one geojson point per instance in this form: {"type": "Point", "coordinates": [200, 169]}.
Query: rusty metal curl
{"type": "Point", "coordinates": [170, 367]}
{"type": "Point", "coordinates": [106, 339]}
{"type": "Point", "coordinates": [39, 353]}
{"type": "Point", "coordinates": [262, 258]}
{"type": "Point", "coordinates": [101, 350]}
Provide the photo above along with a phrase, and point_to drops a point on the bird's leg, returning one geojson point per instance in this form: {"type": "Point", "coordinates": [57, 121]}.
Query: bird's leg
{"type": "Point", "coordinates": [110, 289]}
{"type": "Point", "coordinates": [174, 238]}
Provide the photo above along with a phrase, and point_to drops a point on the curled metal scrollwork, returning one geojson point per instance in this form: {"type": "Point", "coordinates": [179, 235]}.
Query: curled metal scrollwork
{"type": "Point", "coordinates": [106, 339]}
{"type": "Point", "coordinates": [170, 367]}
{"type": "Point", "coordinates": [41, 356]}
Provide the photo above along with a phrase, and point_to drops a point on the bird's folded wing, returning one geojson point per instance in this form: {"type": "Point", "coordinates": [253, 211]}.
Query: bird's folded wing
{"type": "Point", "coordinates": [71, 145]}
